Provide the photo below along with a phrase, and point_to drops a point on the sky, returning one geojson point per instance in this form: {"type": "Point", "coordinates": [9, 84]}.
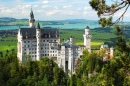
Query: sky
{"type": "Point", "coordinates": [51, 9]}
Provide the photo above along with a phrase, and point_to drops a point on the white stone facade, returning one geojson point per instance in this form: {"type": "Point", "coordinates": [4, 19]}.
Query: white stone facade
{"type": "Point", "coordinates": [39, 43]}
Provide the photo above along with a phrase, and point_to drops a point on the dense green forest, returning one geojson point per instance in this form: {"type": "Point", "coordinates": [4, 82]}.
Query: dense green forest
{"type": "Point", "coordinates": [91, 71]}
{"type": "Point", "coordinates": [31, 73]}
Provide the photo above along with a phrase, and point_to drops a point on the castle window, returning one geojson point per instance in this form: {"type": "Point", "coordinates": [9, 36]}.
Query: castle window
{"type": "Point", "coordinates": [28, 41]}
{"type": "Point", "coordinates": [47, 40]}
{"type": "Point", "coordinates": [43, 40]}
{"type": "Point", "coordinates": [24, 41]}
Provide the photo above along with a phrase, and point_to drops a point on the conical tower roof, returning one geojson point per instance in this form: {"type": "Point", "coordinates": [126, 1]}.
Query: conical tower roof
{"type": "Point", "coordinates": [87, 27]}
{"type": "Point", "coordinates": [38, 25]}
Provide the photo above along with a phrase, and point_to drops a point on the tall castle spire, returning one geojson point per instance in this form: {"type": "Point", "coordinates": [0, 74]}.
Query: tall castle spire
{"type": "Point", "coordinates": [31, 14]}
{"type": "Point", "coordinates": [31, 20]}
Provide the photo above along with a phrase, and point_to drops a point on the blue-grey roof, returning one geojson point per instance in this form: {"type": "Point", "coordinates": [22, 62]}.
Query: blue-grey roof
{"type": "Point", "coordinates": [69, 45]}
{"type": "Point", "coordinates": [45, 32]}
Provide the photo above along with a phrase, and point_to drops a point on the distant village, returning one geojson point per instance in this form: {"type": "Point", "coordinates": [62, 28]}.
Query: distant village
{"type": "Point", "coordinates": [8, 33]}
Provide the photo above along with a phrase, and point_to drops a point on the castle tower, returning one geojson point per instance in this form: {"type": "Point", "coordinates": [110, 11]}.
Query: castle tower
{"type": "Point", "coordinates": [31, 20]}
{"type": "Point", "coordinates": [70, 61]}
{"type": "Point", "coordinates": [38, 37]}
{"type": "Point", "coordinates": [87, 39]}
{"type": "Point", "coordinates": [71, 40]}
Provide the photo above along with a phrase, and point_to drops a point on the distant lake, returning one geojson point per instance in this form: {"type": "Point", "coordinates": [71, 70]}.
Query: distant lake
{"type": "Point", "coordinates": [65, 26]}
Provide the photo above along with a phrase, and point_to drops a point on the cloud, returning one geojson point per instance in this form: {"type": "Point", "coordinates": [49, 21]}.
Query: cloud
{"type": "Point", "coordinates": [55, 7]}
{"type": "Point", "coordinates": [45, 2]}
{"type": "Point", "coordinates": [6, 11]}
{"type": "Point", "coordinates": [35, 6]}
{"type": "Point", "coordinates": [67, 6]}
{"type": "Point", "coordinates": [85, 13]}
{"type": "Point", "coordinates": [27, 6]}
{"type": "Point", "coordinates": [46, 6]}
{"type": "Point", "coordinates": [39, 11]}
{"type": "Point", "coordinates": [87, 8]}
{"type": "Point", "coordinates": [79, 9]}
{"type": "Point", "coordinates": [52, 12]}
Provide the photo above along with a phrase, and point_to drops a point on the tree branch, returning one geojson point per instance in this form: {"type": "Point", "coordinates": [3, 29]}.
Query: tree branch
{"type": "Point", "coordinates": [122, 14]}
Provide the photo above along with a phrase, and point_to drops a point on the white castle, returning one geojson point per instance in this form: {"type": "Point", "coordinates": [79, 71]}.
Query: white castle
{"type": "Point", "coordinates": [45, 42]}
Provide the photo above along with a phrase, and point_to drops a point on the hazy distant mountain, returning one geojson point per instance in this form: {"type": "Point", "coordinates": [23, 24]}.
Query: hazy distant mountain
{"type": "Point", "coordinates": [14, 21]}
{"type": "Point", "coordinates": [7, 19]}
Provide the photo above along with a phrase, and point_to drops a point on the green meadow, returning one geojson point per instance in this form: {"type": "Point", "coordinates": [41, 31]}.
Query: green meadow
{"type": "Point", "coordinates": [99, 36]}
{"type": "Point", "coordinates": [8, 43]}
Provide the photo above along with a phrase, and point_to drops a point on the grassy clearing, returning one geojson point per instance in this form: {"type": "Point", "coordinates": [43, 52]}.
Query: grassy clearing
{"type": "Point", "coordinates": [93, 44]}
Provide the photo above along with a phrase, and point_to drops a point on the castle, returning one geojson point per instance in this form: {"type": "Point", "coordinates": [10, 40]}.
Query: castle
{"type": "Point", "coordinates": [45, 42]}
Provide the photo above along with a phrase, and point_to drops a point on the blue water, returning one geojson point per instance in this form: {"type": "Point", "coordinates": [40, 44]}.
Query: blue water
{"type": "Point", "coordinates": [65, 26]}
